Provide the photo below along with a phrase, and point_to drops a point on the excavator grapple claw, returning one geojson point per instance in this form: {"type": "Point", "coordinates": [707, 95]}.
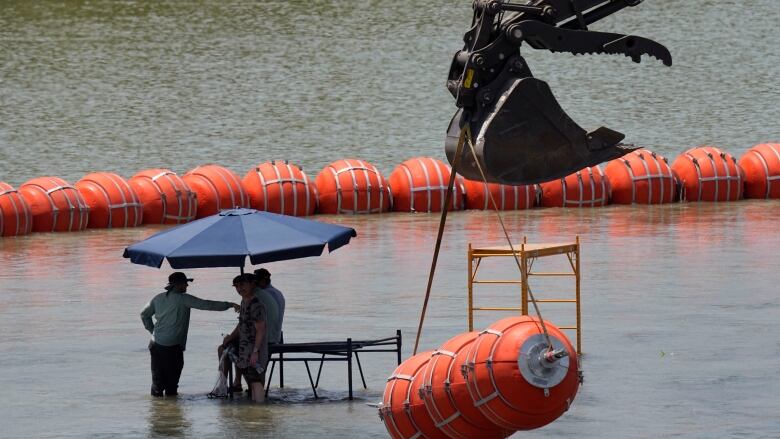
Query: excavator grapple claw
{"type": "Point", "coordinates": [519, 132]}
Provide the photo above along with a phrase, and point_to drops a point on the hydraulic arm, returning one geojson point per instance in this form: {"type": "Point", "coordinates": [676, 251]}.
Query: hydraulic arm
{"type": "Point", "coordinates": [521, 135]}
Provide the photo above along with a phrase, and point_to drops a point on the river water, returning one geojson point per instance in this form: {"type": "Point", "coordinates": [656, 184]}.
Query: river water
{"type": "Point", "coordinates": [680, 302]}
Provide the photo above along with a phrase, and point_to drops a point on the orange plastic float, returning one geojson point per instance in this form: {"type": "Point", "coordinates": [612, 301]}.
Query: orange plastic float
{"type": "Point", "coordinates": [708, 174]}
{"type": "Point", "coordinates": [761, 167]}
{"type": "Point", "coordinates": [420, 185]}
{"type": "Point", "coordinates": [586, 188]}
{"type": "Point", "coordinates": [165, 197]}
{"type": "Point", "coordinates": [447, 398]}
{"type": "Point", "coordinates": [281, 187]}
{"type": "Point", "coordinates": [514, 380]}
{"type": "Point", "coordinates": [15, 216]}
{"type": "Point", "coordinates": [56, 206]}
{"type": "Point", "coordinates": [352, 186]}
{"type": "Point", "coordinates": [112, 202]}
{"type": "Point", "coordinates": [641, 177]}
{"type": "Point", "coordinates": [216, 188]}
{"type": "Point", "coordinates": [402, 410]}
{"type": "Point", "coordinates": [507, 197]}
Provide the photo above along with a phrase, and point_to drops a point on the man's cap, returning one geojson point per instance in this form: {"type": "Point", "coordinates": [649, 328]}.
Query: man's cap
{"type": "Point", "coordinates": [262, 273]}
{"type": "Point", "coordinates": [178, 278]}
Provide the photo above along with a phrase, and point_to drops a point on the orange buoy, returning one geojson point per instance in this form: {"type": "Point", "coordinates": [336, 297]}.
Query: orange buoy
{"type": "Point", "coordinates": [112, 202]}
{"type": "Point", "coordinates": [640, 177]}
{"type": "Point", "coordinates": [708, 174]}
{"type": "Point", "coordinates": [515, 379]}
{"type": "Point", "coordinates": [761, 167]}
{"type": "Point", "coordinates": [420, 185]}
{"type": "Point", "coordinates": [15, 215]}
{"type": "Point", "coordinates": [585, 188]}
{"type": "Point", "coordinates": [56, 206]}
{"type": "Point", "coordinates": [216, 188]}
{"type": "Point", "coordinates": [165, 197]}
{"type": "Point", "coordinates": [447, 398]}
{"type": "Point", "coordinates": [507, 197]}
{"type": "Point", "coordinates": [352, 186]}
{"type": "Point", "coordinates": [281, 187]}
{"type": "Point", "coordinates": [402, 409]}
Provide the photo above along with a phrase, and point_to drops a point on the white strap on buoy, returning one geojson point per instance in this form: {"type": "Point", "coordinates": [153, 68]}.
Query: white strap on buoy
{"type": "Point", "coordinates": [281, 181]}
{"type": "Point", "coordinates": [78, 206]}
{"type": "Point", "coordinates": [770, 179]}
{"type": "Point", "coordinates": [359, 166]}
{"type": "Point", "coordinates": [664, 172]}
{"type": "Point", "coordinates": [180, 189]}
{"type": "Point", "coordinates": [14, 200]}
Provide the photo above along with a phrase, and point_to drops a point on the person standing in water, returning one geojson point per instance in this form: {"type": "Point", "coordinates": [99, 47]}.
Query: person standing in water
{"type": "Point", "coordinates": [171, 311]}
{"type": "Point", "coordinates": [252, 335]}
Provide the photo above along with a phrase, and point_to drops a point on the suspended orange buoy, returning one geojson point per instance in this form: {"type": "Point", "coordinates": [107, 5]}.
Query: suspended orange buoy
{"type": "Point", "coordinates": [352, 186]}
{"type": "Point", "coordinates": [56, 206]}
{"type": "Point", "coordinates": [513, 377]}
{"type": "Point", "coordinates": [507, 197]}
{"type": "Point", "coordinates": [402, 410]}
{"type": "Point", "coordinates": [640, 177]}
{"type": "Point", "coordinates": [586, 188]}
{"type": "Point", "coordinates": [761, 166]}
{"type": "Point", "coordinates": [708, 174]}
{"type": "Point", "coordinates": [112, 202]}
{"type": "Point", "coordinates": [15, 215]}
{"type": "Point", "coordinates": [165, 197]}
{"type": "Point", "coordinates": [281, 187]}
{"type": "Point", "coordinates": [420, 185]}
{"type": "Point", "coordinates": [447, 398]}
{"type": "Point", "coordinates": [216, 188]}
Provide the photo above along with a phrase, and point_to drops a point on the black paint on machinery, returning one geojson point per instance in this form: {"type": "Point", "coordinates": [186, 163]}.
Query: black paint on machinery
{"type": "Point", "coordinates": [520, 133]}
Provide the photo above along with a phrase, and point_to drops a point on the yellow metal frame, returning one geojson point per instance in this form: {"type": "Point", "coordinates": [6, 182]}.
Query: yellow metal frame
{"type": "Point", "coordinates": [527, 254]}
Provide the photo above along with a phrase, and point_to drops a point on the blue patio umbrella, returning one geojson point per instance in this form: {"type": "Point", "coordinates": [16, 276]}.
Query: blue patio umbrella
{"type": "Point", "coordinates": [227, 238]}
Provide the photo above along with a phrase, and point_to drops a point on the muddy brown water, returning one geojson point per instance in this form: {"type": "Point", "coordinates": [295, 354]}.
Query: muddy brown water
{"type": "Point", "coordinates": [681, 302]}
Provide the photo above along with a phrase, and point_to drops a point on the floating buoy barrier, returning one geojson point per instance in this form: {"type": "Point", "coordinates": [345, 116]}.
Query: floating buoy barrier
{"type": "Point", "coordinates": [708, 174]}
{"type": "Point", "coordinates": [56, 206]}
{"type": "Point", "coordinates": [585, 188]}
{"type": "Point", "coordinates": [352, 186]}
{"type": "Point", "coordinates": [111, 201]}
{"type": "Point", "coordinates": [165, 197]}
{"type": "Point", "coordinates": [216, 188]}
{"type": "Point", "coordinates": [15, 215]}
{"type": "Point", "coordinates": [281, 187]}
{"type": "Point", "coordinates": [420, 185]}
{"type": "Point", "coordinates": [446, 396]}
{"type": "Point", "coordinates": [484, 385]}
{"type": "Point", "coordinates": [402, 409]}
{"type": "Point", "coordinates": [641, 177]}
{"type": "Point", "coordinates": [761, 167]}
{"type": "Point", "coordinates": [514, 380]}
{"type": "Point", "coordinates": [507, 197]}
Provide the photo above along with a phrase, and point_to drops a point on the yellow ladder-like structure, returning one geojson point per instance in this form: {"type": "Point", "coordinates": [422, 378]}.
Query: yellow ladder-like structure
{"type": "Point", "coordinates": [527, 254]}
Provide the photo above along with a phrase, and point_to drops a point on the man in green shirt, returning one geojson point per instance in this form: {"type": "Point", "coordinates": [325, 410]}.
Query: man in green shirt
{"type": "Point", "coordinates": [171, 310]}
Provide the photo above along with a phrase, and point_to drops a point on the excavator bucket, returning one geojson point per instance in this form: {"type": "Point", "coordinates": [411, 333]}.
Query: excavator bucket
{"type": "Point", "coordinates": [527, 138]}
{"type": "Point", "coordinates": [519, 132]}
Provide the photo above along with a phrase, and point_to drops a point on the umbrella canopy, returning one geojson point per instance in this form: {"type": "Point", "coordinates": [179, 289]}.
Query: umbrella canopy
{"type": "Point", "coordinates": [227, 238]}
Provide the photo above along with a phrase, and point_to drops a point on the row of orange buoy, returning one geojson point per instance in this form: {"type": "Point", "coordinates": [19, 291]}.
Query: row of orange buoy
{"type": "Point", "coordinates": [485, 384]}
{"type": "Point", "coordinates": [352, 186]}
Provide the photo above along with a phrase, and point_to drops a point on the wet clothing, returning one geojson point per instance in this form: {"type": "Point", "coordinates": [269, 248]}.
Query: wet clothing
{"type": "Point", "coordinates": [167, 363]}
{"type": "Point", "coordinates": [172, 314]}
{"type": "Point", "coordinates": [273, 320]}
{"type": "Point", "coordinates": [279, 298]}
{"type": "Point", "coordinates": [251, 311]}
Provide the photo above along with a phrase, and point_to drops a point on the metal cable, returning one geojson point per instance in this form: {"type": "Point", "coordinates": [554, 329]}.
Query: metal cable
{"type": "Point", "coordinates": [467, 132]}
{"type": "Point", "coordinates": [442, 222]}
